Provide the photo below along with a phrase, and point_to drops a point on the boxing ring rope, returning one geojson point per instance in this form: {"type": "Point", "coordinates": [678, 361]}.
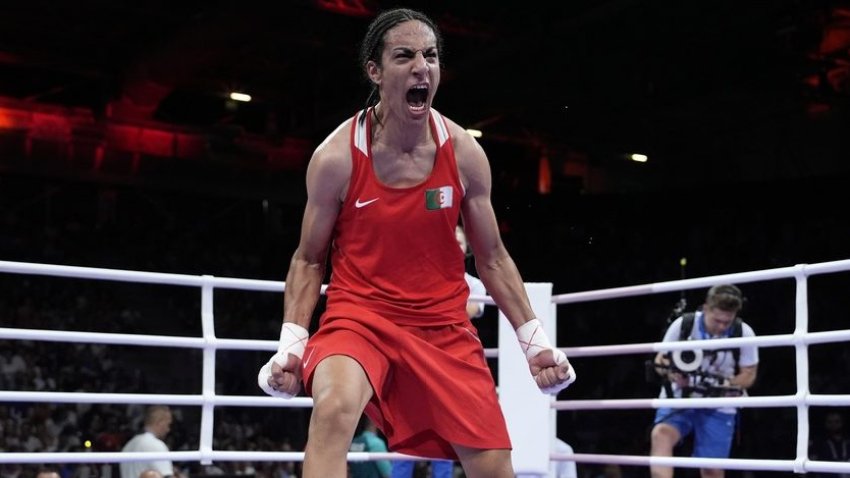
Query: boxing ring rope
{"type": "Point", "coordinates": [209, 344]}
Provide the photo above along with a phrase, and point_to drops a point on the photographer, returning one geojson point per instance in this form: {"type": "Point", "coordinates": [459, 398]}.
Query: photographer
{"type": "Point", "coordinates": [703, 373]}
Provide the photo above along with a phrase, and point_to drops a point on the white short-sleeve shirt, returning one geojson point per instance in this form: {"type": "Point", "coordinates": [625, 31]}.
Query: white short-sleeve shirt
{"type": "Point", "coordinates": [145, 442]}
{"type": "Point", "coordinates": [720, 363]}
{"type": "Point", "coordinates": [476, 287]}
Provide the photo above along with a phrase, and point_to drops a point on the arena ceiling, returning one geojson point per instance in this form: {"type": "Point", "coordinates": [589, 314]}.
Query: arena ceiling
{"type": "Point", "coordinates": [710, 91]}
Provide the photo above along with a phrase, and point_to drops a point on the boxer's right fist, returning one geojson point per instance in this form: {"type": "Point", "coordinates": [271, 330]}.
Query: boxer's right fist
{"type": "Point", "coordinates": [549, 366]}
{"type": "Point", "coordinates": [281, 376]}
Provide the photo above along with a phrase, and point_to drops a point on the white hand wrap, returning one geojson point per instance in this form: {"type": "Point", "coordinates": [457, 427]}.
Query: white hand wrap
{"type": "Point", "coordinates": [533, 340]}
{"type": "Point", "coordinates": [293, 340]}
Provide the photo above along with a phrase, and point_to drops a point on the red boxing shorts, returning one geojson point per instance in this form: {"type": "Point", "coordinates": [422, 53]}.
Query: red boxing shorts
{"type": "Point", "coordinates": [432, 386]}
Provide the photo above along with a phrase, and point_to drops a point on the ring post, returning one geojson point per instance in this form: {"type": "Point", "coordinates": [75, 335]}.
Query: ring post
{"type": "Point", "coordinates": [528, 411]}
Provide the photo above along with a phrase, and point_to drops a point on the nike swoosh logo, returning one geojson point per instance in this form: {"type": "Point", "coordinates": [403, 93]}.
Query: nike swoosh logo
{"type": "Point", "coordinates": [307, 359]}
{"type": "Point", "coordinates": [358, 204]}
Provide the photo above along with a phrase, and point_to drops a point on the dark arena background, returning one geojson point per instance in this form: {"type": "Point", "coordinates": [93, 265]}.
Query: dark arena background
{"type": "Point", "coordinates": [121, 147]}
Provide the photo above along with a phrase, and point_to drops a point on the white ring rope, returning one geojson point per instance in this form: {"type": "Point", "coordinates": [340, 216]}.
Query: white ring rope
{"type": "Point", "coordinates": [215, 455]}
{"type": "Point", "coordinates": [784, 340]}
{"type": "Point", "coordinates": [703, 282]}
{"type": "Point", "coordinates": [706, 402]}
{"type": "Point", "coordinates": [153, 398]}
{"type": "Point", "coordinates": [689, 462]}
{"type": "Point", "coordinates": [800, 340]}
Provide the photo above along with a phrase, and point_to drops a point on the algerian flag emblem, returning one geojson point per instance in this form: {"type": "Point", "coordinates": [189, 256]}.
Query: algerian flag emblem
{"type": "Point", "coordinates": [439, 198]}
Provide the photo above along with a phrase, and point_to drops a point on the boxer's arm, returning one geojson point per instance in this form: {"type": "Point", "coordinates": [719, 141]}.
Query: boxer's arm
{"type": "Point", "coordinates": [551, 370]}
{"type": "Point", "coordinates": [327, 179]}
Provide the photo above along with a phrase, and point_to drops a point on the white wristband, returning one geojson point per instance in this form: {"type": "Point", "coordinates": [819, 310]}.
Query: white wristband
{"type": "Point", "coordinates": [293, 340]}
{"type": "Point", "coordinates": [532, 338]}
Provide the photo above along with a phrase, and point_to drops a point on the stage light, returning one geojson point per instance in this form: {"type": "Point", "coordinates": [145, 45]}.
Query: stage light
{"type": "Point", "coordinates": [240, 97]}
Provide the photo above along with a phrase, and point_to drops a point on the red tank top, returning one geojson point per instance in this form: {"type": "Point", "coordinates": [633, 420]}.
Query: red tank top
{"type": "Point", "coordinates": [394, 250]}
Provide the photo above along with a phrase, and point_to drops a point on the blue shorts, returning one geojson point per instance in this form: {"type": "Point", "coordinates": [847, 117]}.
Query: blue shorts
{"type": "Point", "coordinates": [439, 469]}
{"type": "Point", "coordinates": [713, 430]}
